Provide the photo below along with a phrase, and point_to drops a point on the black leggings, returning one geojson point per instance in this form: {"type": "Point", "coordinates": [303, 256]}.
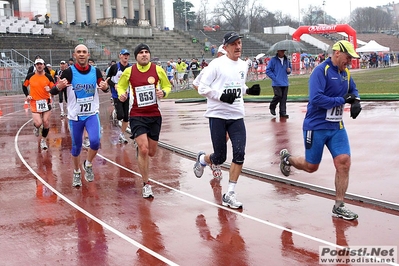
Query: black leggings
{"type": "Point", "coordinates": [237, 134]}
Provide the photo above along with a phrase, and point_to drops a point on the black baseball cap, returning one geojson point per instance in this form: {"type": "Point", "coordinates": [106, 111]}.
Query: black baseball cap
{"type": "Point", "coordinates": [230, 37]}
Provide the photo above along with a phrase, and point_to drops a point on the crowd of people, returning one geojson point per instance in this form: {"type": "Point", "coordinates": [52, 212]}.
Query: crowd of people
{"type": "Point", "coordinates": [377, 59]}
{"type": "Point", "coordinates": [137, 88]}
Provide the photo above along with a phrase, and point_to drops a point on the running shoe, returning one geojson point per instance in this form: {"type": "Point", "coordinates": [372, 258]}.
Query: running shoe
{"type": "Point", "coordinates": [122, 139]}
{"type": "Point", "coordinates": [216, 171]}
{"type": "Point", "coordinates": [36, 131]}
{"type": "Point", "coordinates": [198, 167]}
{"type": "Point", "coordinates": [76, 181]}
{"type": "Point", "coordinates": [62, 114]}
{"type": "Point", "coordinates": [343, 212]}
{"type": "Point", "coordinates": [284, 163]}
{"type": "Point", "coordinates": [136, 147]}
{"type": "Point", "coordinates": [43, 144]}
{"type": "Point", "coordinates": [147, 191]}
{"type": "Point", "coordinates": [229, 200]}
{"type": "Point", "coordinates": [86, 143]}
{"type": "Point", "coordinates": [89, 175]}
{"type": "Point", "coordinates": [113, 115]}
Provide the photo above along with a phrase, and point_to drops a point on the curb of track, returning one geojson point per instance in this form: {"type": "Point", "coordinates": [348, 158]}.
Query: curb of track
{"type": "Point", "coordinates": [326, 191]}
{"type": "Point", "coordinates": [300, 98]}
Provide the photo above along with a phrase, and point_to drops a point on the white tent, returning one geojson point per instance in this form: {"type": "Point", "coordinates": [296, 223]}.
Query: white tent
{"type": "Point", "coordinates": [372, 46]}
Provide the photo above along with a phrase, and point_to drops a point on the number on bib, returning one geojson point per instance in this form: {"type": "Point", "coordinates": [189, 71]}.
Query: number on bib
{"type": "Point", "coordinates": [42, 106]}
{"type": "Point", "coordinates": [335, 114]}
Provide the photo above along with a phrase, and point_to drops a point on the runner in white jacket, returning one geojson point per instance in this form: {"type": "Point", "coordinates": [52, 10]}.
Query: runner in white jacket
{"type": "Point", "coordinates": [223, 84]}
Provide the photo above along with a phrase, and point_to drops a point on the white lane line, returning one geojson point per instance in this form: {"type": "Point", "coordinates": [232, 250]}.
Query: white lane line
{"type": "Point", "coordinates": [105, 225]}
{"type": "Point", "coordinates": [9, 114]}
{"type": "Point", "coordinates": [316, 239]}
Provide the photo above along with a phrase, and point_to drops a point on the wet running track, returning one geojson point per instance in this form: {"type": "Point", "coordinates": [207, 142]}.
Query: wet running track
{"type": "Point", "coordinates": [45, 221]}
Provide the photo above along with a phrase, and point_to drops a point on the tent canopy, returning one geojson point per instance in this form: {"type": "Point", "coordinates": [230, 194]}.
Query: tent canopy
{"type": "Point", "coordinates": [372, 46]}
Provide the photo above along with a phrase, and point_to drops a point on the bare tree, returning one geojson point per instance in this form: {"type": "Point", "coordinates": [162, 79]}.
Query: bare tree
{"type": "Point", "coordinates": [313, 15]}
{"type": "Point", "coordinates": [256, 15]}
{"type": "Point", "coordinates": [202, 14]}
{"type": "Point", "coordinates": [234, 12]}
{"type": "Point", "coordinates": [369, 19]}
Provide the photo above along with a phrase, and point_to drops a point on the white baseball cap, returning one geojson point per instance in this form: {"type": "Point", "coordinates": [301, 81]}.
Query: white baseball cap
{"type": "Point", "coordinates": [221, 50]}
{"type": "Point", "coordinates": [39, 60]}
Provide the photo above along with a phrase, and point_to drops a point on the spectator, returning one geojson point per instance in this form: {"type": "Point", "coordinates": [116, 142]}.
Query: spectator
{"type": "Point", "coordinates": [277, 70]}
{"type": "Point", "coordinates": [213, 50]}
{"type": "Point", "coordinates": [203, 64]}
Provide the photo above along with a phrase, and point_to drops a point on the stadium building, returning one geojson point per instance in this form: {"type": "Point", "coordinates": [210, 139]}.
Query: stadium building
{"type": "Point", "coordinates": [145, 13]}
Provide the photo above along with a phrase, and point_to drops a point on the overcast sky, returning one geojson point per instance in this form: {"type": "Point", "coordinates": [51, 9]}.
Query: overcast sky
{"type": "Point", "coordinates": [338, 9]}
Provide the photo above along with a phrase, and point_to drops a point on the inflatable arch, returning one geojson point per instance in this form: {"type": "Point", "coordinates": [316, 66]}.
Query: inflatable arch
{"type": "Point", "coordinates": [329, 29]}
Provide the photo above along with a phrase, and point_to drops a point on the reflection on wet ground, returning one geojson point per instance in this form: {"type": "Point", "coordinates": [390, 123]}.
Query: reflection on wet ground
{"type": "Point", "coordinates": [185, 223]}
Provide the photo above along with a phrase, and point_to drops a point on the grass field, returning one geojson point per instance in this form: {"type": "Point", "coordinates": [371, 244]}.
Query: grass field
{"type": "Point", "coordinates": [382, 82]}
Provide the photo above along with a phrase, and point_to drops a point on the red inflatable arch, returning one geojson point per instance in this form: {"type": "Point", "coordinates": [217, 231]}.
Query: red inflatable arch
{"type": "Point", "coordinates": [329, 29]}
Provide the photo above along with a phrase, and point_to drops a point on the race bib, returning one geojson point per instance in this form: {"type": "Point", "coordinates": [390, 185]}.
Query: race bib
{"type": "Point", "coordinates": [145, 95]}
{"type": "Point", "coordinates": [335, 114]}
{"type": "Point", "coordinates": [41, 106]}
{"type": "Point", "coordinates": [235, 87]}
{"type": "Point", "coordinates": [85, 106]}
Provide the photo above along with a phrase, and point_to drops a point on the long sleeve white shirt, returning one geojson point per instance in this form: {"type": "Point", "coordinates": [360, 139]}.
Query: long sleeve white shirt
{"type": "Point", "coordinates": [224, 75]}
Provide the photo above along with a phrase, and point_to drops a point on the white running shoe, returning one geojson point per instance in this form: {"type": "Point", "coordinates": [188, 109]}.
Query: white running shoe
{"type": "Point", "coordinates": [122, 139]}
{"type": "Point", "coordinates": [76, 181]}
{"type": "Point", "coordinates": [285, 166]}
{"type": "Point", "coordinates": [43, 144]}
{"type": "Point", "coordinates": [36, 131]}
{"type": "Point", "coordinates": [198, 167]}
{"type": "Point", "coordinates": [147, 191]}
{"type": "Point", "coordinates": [89, 175]}
{"type": "Point", "coordinates": [216, 171]}
{"type": "Point", "coordinates": [86, 143]}
{"type": "Point", "coordinates": [136, 147]}
{"type": "Point", "coordinates": [229, 199]}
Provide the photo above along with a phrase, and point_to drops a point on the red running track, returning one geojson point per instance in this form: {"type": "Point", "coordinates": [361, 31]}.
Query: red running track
{"type": "Point", "coordinates": [107, 222]}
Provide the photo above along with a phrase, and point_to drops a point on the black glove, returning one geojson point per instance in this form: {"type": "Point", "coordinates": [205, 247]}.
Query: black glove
{"type": "Point", "coordinates": [254, 90]}
{"type": "Point", "coordinates": [355, 109]}
{"type": "Point", "coordinates": [228, 97]}
{"type": "Point", "coordinates": [349, 98]}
